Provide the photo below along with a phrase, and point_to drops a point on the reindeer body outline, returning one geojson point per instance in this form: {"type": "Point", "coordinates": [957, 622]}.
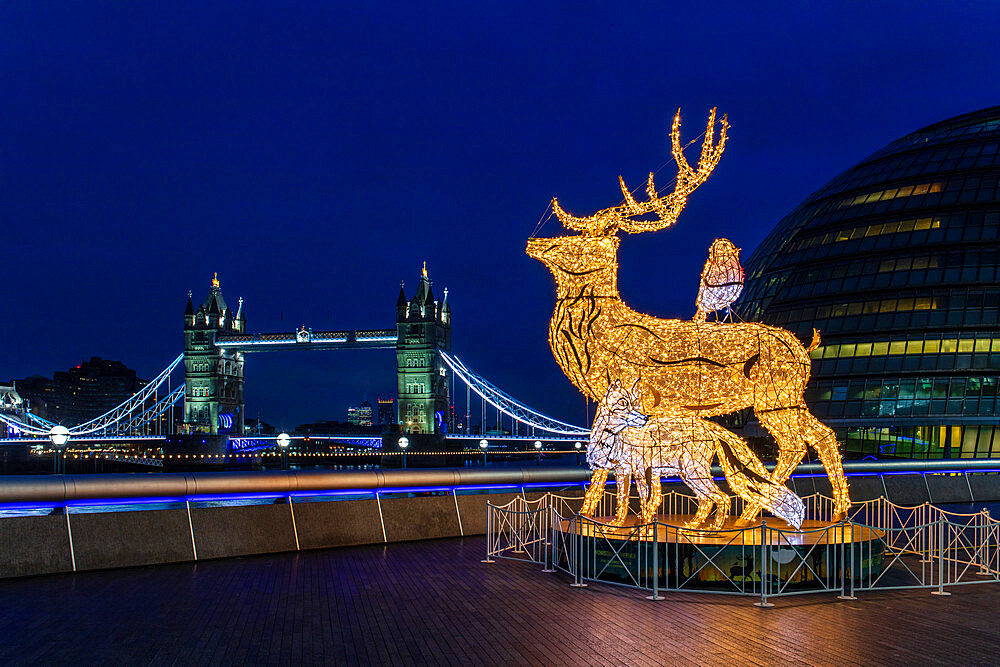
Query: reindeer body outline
{"type": "Point", "coordinates": [699, 368]}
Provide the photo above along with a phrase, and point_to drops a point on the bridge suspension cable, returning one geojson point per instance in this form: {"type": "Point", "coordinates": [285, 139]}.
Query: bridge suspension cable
{"type": "Point", "coordinates": [129, 416]}
{"type": "Point", "coordinates": [155, 411]}
{"type": "Point", "coordinates": [506, 403]}
{"type": "Point", "coordinates": [124, 411]}
{"type": "Point", "coordinates": [24, 428]}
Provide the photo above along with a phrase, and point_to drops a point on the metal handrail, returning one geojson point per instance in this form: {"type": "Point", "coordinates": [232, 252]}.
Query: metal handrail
{"type": "Point", "coordinates": [62, 488]}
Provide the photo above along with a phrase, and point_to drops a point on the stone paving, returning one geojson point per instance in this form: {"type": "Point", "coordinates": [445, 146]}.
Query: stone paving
{"type": "Point", "coordinates": [434, 603]}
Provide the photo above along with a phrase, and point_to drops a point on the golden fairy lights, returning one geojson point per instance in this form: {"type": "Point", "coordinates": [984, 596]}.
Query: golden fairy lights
{"type": "Point", "coordinates": [665, 208]}
{"type": "Point", "coordinates": [679, 372]}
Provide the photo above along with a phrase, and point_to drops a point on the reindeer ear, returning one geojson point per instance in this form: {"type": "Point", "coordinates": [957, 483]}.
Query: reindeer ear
{"type": "Point", "coordinates": [617, 384]}
{"type": "Point", "coordinates": [636, 383]}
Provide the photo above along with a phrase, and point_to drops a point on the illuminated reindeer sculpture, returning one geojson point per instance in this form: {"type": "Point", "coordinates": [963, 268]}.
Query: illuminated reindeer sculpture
{"type": "Point", "coordinates": [676, 367]}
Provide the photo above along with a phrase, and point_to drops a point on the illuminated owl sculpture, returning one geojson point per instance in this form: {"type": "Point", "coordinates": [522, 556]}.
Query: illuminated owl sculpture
{"type": "Point", "coordinates": [685, 371]}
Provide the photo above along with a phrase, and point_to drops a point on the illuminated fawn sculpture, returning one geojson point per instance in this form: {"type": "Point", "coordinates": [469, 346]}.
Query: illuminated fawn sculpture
{"type": "Point", "coordinates": [695, 369]}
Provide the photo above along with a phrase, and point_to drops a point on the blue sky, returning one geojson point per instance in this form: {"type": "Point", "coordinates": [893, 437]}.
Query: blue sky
{"type": "Point", "coordinates": [315, 154]}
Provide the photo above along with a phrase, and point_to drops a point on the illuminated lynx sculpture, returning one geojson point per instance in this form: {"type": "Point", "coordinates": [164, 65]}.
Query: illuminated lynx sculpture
{"type": "Point", "coordinates": [696, 368]}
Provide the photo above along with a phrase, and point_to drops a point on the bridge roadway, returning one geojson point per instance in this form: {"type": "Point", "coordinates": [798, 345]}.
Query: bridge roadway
{"type": "Point", "coordinates": [433, 602]}
{"type": "Point", "coordinates": [307, 339]}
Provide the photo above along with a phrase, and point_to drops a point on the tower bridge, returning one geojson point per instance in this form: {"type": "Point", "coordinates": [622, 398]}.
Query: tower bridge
{"type": "Point", "coordinates": [216, 342]}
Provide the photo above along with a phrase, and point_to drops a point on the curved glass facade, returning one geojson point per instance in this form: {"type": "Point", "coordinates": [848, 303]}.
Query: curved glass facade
{"type": "Point", "coordinates": [896, 262]}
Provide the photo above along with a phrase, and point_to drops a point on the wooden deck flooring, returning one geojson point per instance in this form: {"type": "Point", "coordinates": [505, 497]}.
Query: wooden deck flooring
{"type": "Point", "coordinates": [434, 603]}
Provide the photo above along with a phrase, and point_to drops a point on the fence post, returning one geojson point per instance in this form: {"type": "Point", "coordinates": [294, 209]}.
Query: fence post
{"type": "Point", "coordinates": [518, 523]}
{"type": "Point", "coordinates": [846, 583]}
{"type": "Point", "coordinates": [940, 548]}
{"type": "Point", "coordinates": [577, 551]}
{"type": "Point", "coordinates": [925, 541]}
{"type": "Point", "coordinates": [656, 566]}
{"type": "Point", "coordinates": [550, 545]}
{"type": "Point", "coordinates": [489, 533]}
{"type": "Point", "coordinates": [984, 542]}
{"type": "Point", "coordinates": [765, 579]}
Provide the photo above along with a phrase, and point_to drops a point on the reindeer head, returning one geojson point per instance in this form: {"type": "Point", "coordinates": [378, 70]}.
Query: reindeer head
{"type": "Point", "coordinates": [598, 239]}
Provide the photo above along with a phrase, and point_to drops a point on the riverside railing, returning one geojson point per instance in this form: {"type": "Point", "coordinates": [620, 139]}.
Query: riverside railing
{"type": "Point", "coordinates": [880, 546]}
{"type": "Point", "coordinates": [60, 489]}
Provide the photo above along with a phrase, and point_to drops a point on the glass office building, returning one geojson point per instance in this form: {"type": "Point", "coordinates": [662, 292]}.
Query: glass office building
{"type": "Point", "coordinates": [897, 263]}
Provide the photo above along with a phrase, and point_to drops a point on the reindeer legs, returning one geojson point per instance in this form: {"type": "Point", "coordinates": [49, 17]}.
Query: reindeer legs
{"type": "Point", "coordinates": [793, 428]}
{"type": "Point", "coordinates": [823, 440]}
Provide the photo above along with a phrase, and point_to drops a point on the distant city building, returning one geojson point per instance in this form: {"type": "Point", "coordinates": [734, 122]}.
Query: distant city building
{"type": "Point", "coordinates": [423, 327]}
{"type": "Point", "coordinates": [10, 401]}
{"type": "Point", "coordinates": [365, 414]}
{"type": "Point", "coordinates": [257, 427]}
{"type": "Point", "coordinates": [386, 411]}
{"type": "Point", "coordinates": [361, 415]}
{"type": "Point", "coordinates": [81, 393]}
{"type": "Point", "coordinates": [331, 427]}
{"type": "Point", "coordinates": [213, 399]}
{"type": "Point", "coordinates": [13, 405]}
{"type": "Point", "coordinates": [324, 426]}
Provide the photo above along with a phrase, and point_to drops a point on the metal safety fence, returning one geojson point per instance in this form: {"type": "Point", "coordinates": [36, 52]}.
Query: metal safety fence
{"type": "Point", "coordinates": [879, 546]}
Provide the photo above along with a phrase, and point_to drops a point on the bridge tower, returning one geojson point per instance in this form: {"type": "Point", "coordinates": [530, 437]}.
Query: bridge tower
{"type": "Point", "coordinates": [423, 327]}
{"type": "Point", "coordinates": [213, 398]}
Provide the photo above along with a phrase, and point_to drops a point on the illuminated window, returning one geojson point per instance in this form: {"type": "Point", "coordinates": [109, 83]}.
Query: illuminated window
{"type": "Point", "coordinates": [913, 347]}
{"type": "Point", "coordinates": [914, 224]}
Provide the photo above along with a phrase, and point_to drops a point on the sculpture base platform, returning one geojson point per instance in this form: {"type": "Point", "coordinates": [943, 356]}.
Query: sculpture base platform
{"type": "Point", "coordinates": [728, 559]}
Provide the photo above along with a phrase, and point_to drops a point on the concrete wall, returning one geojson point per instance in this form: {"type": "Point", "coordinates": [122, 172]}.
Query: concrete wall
{"type": "Point", "coordinates": [34, 545]}
{"type": "Point", "coordinates": [40, 544]}
{"type": "Point", "coordinates": [239, 531]}
{"type": "Point", "coordinates": [949, 489]}
{"type": "Point", "coordinates": [906, 489]}
{"type": "Point", "coordinates": [338, 524]}
{"type": "Point", "coordinates": [865, 487]}
{"type": "Point", "coordinates": [121, 539]}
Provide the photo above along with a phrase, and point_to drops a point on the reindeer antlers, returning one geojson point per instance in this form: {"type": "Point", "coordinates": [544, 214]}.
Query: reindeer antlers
{"type": "Point", "coordinates": [666, 208]}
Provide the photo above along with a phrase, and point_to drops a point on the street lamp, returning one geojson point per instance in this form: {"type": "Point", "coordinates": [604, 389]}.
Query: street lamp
{"type": "Point", "coordinates": [283, 441]}
{"type": "Point", "coordinates": [538, 448]}
{"type": "Point", "coordinates": [483, 444]}
{"type": "Point", "coordinates": [577, 445]}
{"type": "Point", "coordinates": [403, 443]}
{"type": "Point", "coordinates": [59, 435]}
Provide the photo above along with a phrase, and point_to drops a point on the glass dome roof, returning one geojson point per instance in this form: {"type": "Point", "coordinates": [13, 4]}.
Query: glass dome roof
{"type": "Point", "coordinates": [896, 262]}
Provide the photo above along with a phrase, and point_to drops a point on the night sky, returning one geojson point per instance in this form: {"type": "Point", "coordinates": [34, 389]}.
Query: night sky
{"type": "Point", "coordinates": [314, 154]}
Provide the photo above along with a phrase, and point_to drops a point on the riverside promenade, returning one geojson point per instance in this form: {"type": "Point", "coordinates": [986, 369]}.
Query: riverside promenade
{"type": "Point", "coordinates": [433, 602]}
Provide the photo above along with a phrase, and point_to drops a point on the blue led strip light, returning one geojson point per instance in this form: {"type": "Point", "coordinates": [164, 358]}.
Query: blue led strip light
{"type": "Point", "coordinates": [111, 502]}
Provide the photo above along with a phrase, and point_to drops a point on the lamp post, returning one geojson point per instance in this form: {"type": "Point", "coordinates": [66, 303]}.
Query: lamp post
{"type": "Point", "coordinates": [403, 443]}
{"type": "Point", "coordinates": [483, 444]}
{"type": "Point", "coordinates": [59, 435]}
{"type": "Point", "coordinates": [283, 441]}
{"type": "Point", "coordinates": [578, 446]}
{"type": "Point", "coordinates": [538, 448]}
